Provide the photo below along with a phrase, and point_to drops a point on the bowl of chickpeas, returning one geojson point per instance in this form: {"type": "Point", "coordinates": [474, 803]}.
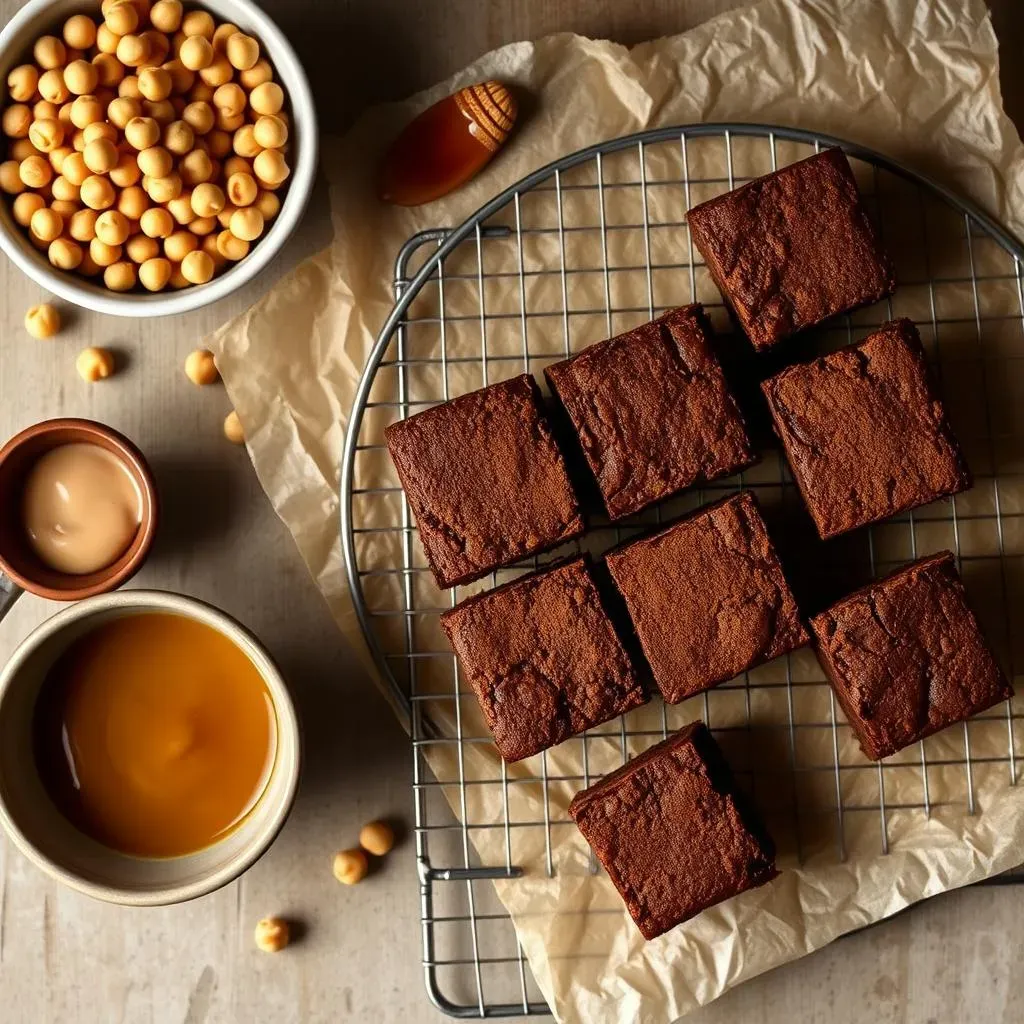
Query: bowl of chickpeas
{"type": "Point", "coordinates": [154, 155]}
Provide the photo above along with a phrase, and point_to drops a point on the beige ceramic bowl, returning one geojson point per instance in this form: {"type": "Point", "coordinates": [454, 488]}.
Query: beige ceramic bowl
{"type": "Point", "coordinates": [41, 17]}
{"type": "Point", "coordinates": [49, 840]}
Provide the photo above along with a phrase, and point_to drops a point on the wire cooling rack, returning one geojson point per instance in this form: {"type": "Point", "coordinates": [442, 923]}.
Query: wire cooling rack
{"type": "Point", "coordinates": [586, 248]}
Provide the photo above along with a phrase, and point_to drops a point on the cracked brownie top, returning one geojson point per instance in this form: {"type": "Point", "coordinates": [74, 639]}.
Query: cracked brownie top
{"type": "Point", "coordinates": [906, 657]}
{"type": "Point", "coordinates": [673, 833]}
{"type": "Point", "coordinates": [652, 411]}
{"type": "Point", "coordinates": [485, 480]}
{"type": "Point", "coordinates": [543, 659]}
{"type": "Point", "coordinates": [792, 248]}
{"type": "Point", "coordinates": [708, 597]}
{"type": "Point", "coordinates": [864, 431]}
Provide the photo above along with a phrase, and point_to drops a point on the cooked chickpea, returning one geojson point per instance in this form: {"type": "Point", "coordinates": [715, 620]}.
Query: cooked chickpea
{"type": "Point", "coordinates": [80, 77]}
{"type": "Point", "coordinates": [140, 248]}
{"type": "Point", "coordinates": [64, 254]}
{"type": "Point", "coordinates": [82, 227]}
{"type": "Point", "coordinates": [161, 111]}
{"type": "Point", "coordinates": [237, 165]}
{"type": "Point", "coordinates": [25, 205]}
{"type": "Point", "coordinates": [267, 99]}
{"type": "Point", "coordinates": [106, 41]}
{"type": "Point", "coordinates": [163, 190]}
{"type": "Point", "coordinates": [100, 130]}
{"type": "Point", "coordinates": [166, 15]}
{"type": "Point", "coordinates": [155, 83]}
{"type": "Point", "coordinates": [16, 121]}
{"type": "Point", "coordinates": [156, 222]}
{"type": "Point", "coordinates": [35, 171]}
{"type": "Point", "coordinates": [196, 53]}
{"type": "Point", "coordinates": [65, 207]}
{"type": "Point", "coordinates": [63, 190]}
{"type": "Point", "coordinates": [225, 215]}
{"type": "Point", "coordinates": [122, 110]}
{"type": "Point", "coordinates": [199, 117]}
{"type": "Point", "coordinates": [155, 273]}
{"type": "Point", "coordinates": [218, 72]}
{"type": "Point", "coordinates": [44, 109]}
{"type": "Point", "coordinates": [219, 143]}
{"type": "Point", "coordinates": [272, 933]}
{"type": "Point", "coordinates": [22, 82]}
{"type": "Point", "coordinates": [232, 248]}
{"type": "Point", "coordinates": [209, 246]}
{"type": "Point", "coordinates": [270, 132]}
{"type": "Point", "coordinates": [271, 168]}
{"type": "Point", "coordinates": [120, 17]}
{"type": "Point", "coordinates": [120, 277]}
{"type": "Point", "coordinates": [129, 87]}
{"type": "Point", "coordinates": [89, 266]}
{"type": "Point", "coordinates": [377, 838]}
{"type": "Point", "coordinates": [180, 208]}
{"type": "Point", "coordinates": [52, 88]}
{"type": "Point", "coordinates": [22, 149]}
{"type": "Point", "coordinates": [155, 162]}
{"type": "Point", "coordinates": [100, 156]}
{"type": "Point", "coordinates": [230, 99]}
{"type": "Point", "coordinates": [49, 52]}
{"type": "Point", "coordinates": [112, 228]}
{"type": "Point", "coordinates": [197, 267]}
{"type": "Point", "coordinates": [132, 50]}
{"type": "Point", "coordinates": [104, 255]}
{"type": "Point", "coordinates": [246, 224]}
{"type": "Point", "coordinates": [97, 193]}
{"type": "Point", "coordinates": [142, 132]}
{"type": "Point", "coordinates": [203, 226]}
{"type": "Point", "coordinates": [178, 280]}
{"type": "Point", "coordinates": [244, 143]}
{"type": "Point", "coordinates": [59, 155]}
{"type": "Point", "coordinates": [242, 51]}
{"type": "Point", "coordinates": [196, 167]}
{"type": "Point", "coordinates": [178, 138]}
{"type": "Point", "coordinates": [233, 428]}
{"type": "Point", "coordinates": [109, 70]}
{"type": "Point", "coordinates": [181, 78]}
{"type": "Point", "coordinates": [242, 189]}
{"type": "Point", "coordinates": [350, 866]}
{"type": "Point", "coordinates": [260, 73]}
{"type": "Point", "coordinates": [207, 200]}
{"type": "Point", "coordinates": [42, 321]}
{"type": "Point", "coordinates": [46, 135]}
{"type": "Point", "coordinates": [86, 110]}
{"type": "Point", "coordinates": [222, 34]}
{"type": "Point", "coordinates": [95, 364]}
{"type": "Point", "coordinates": [201, 92]}
{"type": "Point", "coordinates": [74, 169]}
{"type": "Point", "coordinates": [159, 46]}
{"type": "Point", "coordinates": [178, 245]}
{"type": "Point", "coordinates": [79, 31]}
{"type": "Point", "coordinates": [132, 202]}
{"type": "Point", "coordinates": [38, 243]}
{"type": "Point", "coordinates": [10, 177]}
{"type": "Point", "coordinates": [198, 23]}
{"type": "Point", "coordinates": [46, 224]}
{"type": "Point", "coordinates": [229, 122]}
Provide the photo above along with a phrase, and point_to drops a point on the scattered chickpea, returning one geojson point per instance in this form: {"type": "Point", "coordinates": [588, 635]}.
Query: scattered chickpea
{"type": "Point", "coordinates": [122, 110]}
{"type": "Point", "coordinates": [162, 111]}
{"type": "Point", "coordinates": [44, 109]}
{"type": "Point", "coordinates": [156, 222]}
{"type": "Point", "coordinates": [46, 135]}
{"type": "Point", "coordinates": [377, 838]}
{"type": "Point", "coordinates": [129, 87]}
{"type": "Point", "coordinates": [80, 31]}
{"type": "Point", "coordinates": [94, 364]}
{"type": "Point", "coordinates": [25, 205]}
{"type": "Point", "coordinates": [242, 189]}
{"type": "Point", "coordinates": [155, 273]}
{"type": "Point", "coordinates": [229, 122]}
{"type": "Point", "coordinates": [178, 280]}
{"type": "Point", "coordinates": [142, 132]}
{"type": "Point", "coordinates": [49, 52]}
{"type": "Point", "coordinates": [203, 226]}
{"type": "Point", "coordinates": [350, 866]}
{"type": "Point", "coordinates": [42, 321]}
{"type": "Point", "coordinates": [179, 244]}
{"type": "Point", "coordinates": [233, 428]}
{"type": "Point", "coordinates": [133, 202]}
{"type": "Point", "coordinates": [166, 15]}
{"type": "Point", "coordinates": [199, 117]}
{"type": "Point", "coordinates": [200, 368]}
{"type": "Point", "coordinates": [272, 934]}
{"type": "Point", "coordinates": [65, 207]}
{"type": "Point", "coordinates": [159, 46]}
{"type": "Point", "coordinates": [112, 228]}
{"type": "Point", "coordinates": [219, 142]}
{"type": "Point", "coordinates": [46, 224]}
{"type": "Point", "coordinates": [22, 82]}
{"type": "Point", "coordinates": [246, 224]}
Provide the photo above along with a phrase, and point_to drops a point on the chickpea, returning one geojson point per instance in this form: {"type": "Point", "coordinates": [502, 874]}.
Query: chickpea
{"type": "Point", "coordinates": [159, 46]}
{"type": "Point", "coordinates": [86, 110]}
{"type": "Point", "coordinates": [132, 202]}
{"type": "Point", "coordinates": [244, 143]}
{"type": "Point", "coordinates": [22, 82]}
{"type": "Point", "coordinates": [58, 156]}
{"type": "Point", "coordinates": [233, 428]}
{"type": "Point", "coordinates": [197, 267]}
{"type": "Point", "coordinates": [198, 23]}
{"type": "Point", "coordinates": [112, 228]}
{"type": "Point", "coordinates": [202, 226]}
{"type": "Point", "coordinates": [120, 277]}
{"type": "Point", "coordinates": [242, 189]}
{"type": "Point", "coordinates": [166, 15]}
{"type": "Point", "coordinates": [221, 35]}
{"type": "Point", "coordinates": [97, 193]}
{"type": "Point", "coordinates": [100, 130]}
{"type": "Point", "coordinates": [10, 177]}
{"type": "Point", "coordinates": [155, 83]}
{"type": "Point", "coordinates": [195, 168]}
{"type": "Point", "coordinates": [49, 53]}
{"type": "Point", "coordinates": [79, 31]}
{"type": "Point", "coordinates": [142, 133]}
{"type": "Point", "coordinates": [201, 92]}
{"type": "Point", "coordinates": [219, 143]}
{"type": "Point", "coordinates": [267, 99]}
{"type": "Point", "coordinates": [64, 254]}
{"type": "Point", "coordinates": [155, 162]}
{"type": "Point", "coordinates": [16, 121]}
{"type": "Point", "coordinates": [74, 169]}
{"type": "Point", "coordinates": [237, 165]}
{"type": "Point", "coordinates": [120, 17]}
{"type": "Point", "coordinates": [156, 222]}
{"type": "Point", "coordinates": [246, 224]}
{"type": "Point", "coordinates": [38, 243]}
{"type": "Point", "coordinates": [207, 200]}
{"type": "Point", "coordinates": [95, 364]}
{"type": "Point", "coordinates": [209, 246]}
{"type": "Point", "coordinates": [350, 866]}
{"type": "Point", "coordinates": [154, 273]}
{"type": "Point", "coordinates": [65, 207]}
{"type": "Point", "coordinates": [218, 72]}
{"type": "Point", "coordinates": [178, 245]}
{"type": "Point", "coordinates": [100, 156]}
{"type": "Point", "coordinates": [122, 110]}
{"type": "Point", "coordinates": [230, 99]}
{"type": "Point", "coordinates": [35, 171]}
{"type": "Point", "coordinates": [270, 132]}
{"type": "Point", "coordinates": [22, 149]}
{"type": "Point", "coordinates": [225, 215]}
{"type": "Point", "coordinates": [178, 280]}
{"type": "Point", "coordinates": [270, 168]}
{"type": "Point", "coordinates": [63, 190]}
{"type": "Point", "coordinates": [42, 321]}
{"type": "Point", "coordinates": [104, 255]}
{"type": "Point", "coordinates": [139, 249]}
{"type": "Point", "coordinates": [272, 933]}
{"type": "Point", "coordinates": [81, 77]}
{"type": "Point", "coordinates": [89, 266]}
{"type": "Point", "coordinates": [43, 110]}
{"type": "Point", "coordinates": [83, 225]}
{"type": "Point", "coordinates": [178, 138]}
{"type": "Point", "coordinates": [106, 41]}
{"type": "Point", "coordinates": [109, 70]}
{"type": "Point", "coordinates": [25, 205]}
{"type": "Point", "coordinates": [180, 208]}
{"type": "Point", "coordinates": [46, 135]}
{"type": "Point", "coordinates": [132, 51]}
{"type": "Point", "coordinates": [199, 117]}
{"type": "Point", "coordinates": [163, 190]}
{"type": "Point", "coordinates": [260, 73]}
{"type": "Point", "coordinates": [52, 88]}
{"type": "Point", "coordinates": [182, 79]}
{"type": "Point", "coordinates": [243, 51]}
{"type": "Point", "coordinates": [129, 87]}
{"type": "Point", "coordinates": [377, 838]}
{"type": "Point", "coordinates": [46, 224]}
{"type": "Point", "coordinates": [196, 53]}
{"type": "Point", "coordinates": [161, 111]}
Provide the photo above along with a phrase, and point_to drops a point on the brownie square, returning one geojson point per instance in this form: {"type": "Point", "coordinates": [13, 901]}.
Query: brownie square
{"type": "Point", "coordinates": [708, 597]}
{"type": "Point", "coordinates": [543, 659]}
{"type": "Point", "coordinates": [652, 411]}
{"type": "Point", "coordinates": [485, 480]}
{"type": "Point", "coordinates": [792, 248]}
{"type": "Point", "coordinates": [865, 432]}
{"type": "Point", "coordinates": [673, 833]}
{"type": "Point", "coordinates": [906, 657]}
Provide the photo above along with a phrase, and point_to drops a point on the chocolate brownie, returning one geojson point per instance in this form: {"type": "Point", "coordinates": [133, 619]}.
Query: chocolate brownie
{"type": "Point", "coordinates": [906, 657]}
{"type": "Point", "coordinates": [708, 597]}
{"type": "Point", "coordinates": [652, 411]}
{"type": "Point", "coordinates": [792, 248]}
{"type": "Point", "coordinates": [485, 480]}
{"type": "Point", "coordinates": [864, 431]}
{"type": "Point", "coordinates": [543, 659]}
{"type": "Point", "coordinates": [673, 833]}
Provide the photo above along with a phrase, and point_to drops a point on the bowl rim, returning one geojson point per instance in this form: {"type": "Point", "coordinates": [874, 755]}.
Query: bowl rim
{"type": "Point", "coordinates": [93, 297]}
{"type": "Point", "coordinates": [288, 727]}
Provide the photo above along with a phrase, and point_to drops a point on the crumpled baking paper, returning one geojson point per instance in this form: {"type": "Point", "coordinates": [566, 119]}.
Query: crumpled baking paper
{"type": "Point", "coordinates": [917, 81]}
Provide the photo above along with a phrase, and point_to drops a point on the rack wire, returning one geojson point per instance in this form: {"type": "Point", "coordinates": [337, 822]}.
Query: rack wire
{"type": "Point", "coordinates": [580, 250]}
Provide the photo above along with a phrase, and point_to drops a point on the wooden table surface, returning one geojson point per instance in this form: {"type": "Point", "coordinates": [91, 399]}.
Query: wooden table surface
{"type": "Point", "coordinates": [64, 958]}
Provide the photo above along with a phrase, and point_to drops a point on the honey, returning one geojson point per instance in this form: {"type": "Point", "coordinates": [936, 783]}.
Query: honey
{"type": "Point", "coordinates": [154, 734]}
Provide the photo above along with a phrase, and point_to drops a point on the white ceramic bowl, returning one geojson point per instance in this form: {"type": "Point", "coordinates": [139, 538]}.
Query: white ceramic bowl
{"type": "Point", "coordinates": [42, 17]}
{"type": "Point", "coordinates": [50, 841]}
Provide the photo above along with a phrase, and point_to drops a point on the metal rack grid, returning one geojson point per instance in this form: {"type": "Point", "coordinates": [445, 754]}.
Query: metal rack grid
{"type": "Point", "coordinates": [473, 963]}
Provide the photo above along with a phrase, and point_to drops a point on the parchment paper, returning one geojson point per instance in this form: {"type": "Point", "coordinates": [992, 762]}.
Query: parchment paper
{"type": "Point", "coordinates": [916, 81]}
